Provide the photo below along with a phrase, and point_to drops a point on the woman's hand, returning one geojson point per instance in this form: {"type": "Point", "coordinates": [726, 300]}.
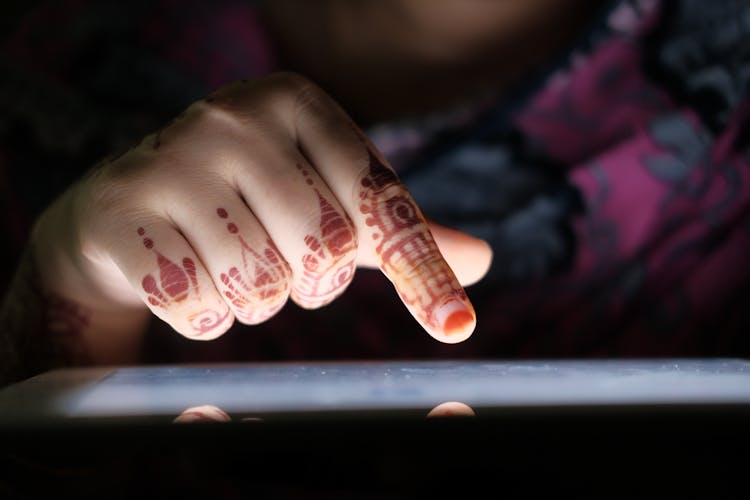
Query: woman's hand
{"type": "Point", "coordinates": [261, 192]}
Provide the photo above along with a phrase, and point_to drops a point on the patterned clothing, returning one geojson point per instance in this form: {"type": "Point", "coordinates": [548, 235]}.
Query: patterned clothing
{"type": "Point", "coordinates": [613, 186]}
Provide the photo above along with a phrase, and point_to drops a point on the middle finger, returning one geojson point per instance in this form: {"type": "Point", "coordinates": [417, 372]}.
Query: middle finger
{"type": "Point", "coordinates": [305, 220]}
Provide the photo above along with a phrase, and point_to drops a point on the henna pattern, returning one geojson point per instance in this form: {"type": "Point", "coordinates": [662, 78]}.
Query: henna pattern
{"type": "Point", "coordinates": [330, 266]}
{"type": "Point", "coordinates": [258, 291]}
{"type": "Point", "coordinates": [174, 284]}
{"type": "Point", "coordinates": [41, 330]}
{"type": "Point", "coordinates": [206, 320]}
{"type": "Point", "coordinates": [409, 254]}
{"type": "Point", "coordinates": [64, 315]}
{"type": "Point", "coordinates": [174, 281]}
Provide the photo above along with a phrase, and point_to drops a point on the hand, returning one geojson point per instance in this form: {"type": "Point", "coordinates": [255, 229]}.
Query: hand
{"type": "Point", "coordinates": [264, 190]}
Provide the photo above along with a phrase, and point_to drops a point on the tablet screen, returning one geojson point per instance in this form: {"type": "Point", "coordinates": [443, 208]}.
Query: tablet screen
{"type": "Point", "coordinates": [283, 388]}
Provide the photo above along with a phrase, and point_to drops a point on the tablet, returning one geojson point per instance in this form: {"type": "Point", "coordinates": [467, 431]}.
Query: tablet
{"type": "Point", "coordinates": [305, 390]}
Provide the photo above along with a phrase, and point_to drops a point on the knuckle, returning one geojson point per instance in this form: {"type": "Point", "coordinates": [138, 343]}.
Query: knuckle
{"type": "Point", "coordinates": [392, 213]}
{"type": "Point", "coordinates": [271, 93]}
{"type": "Point", "coordinates": [379, 182]}
{"type": "Point", "coordinates": [255, 103]}
{"type": "Point", "coordinates": [307, 96]}
{"type": "Point", "coordinates": [392, 193]}
{"type": "Point", "coordinates": [290, 82]}
{"type": "Point", "coordinates": [121, 192]}
{"type": "Point", "coordinates": [218, 111]}
{"type": "Point", "coordinates": [108, 193]}
{"type": "Point", "coordinates": [296, 91]}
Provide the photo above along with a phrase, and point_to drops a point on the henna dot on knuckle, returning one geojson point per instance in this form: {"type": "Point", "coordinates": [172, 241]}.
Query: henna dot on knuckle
{"type": "Point", "coordinates": [306, 175]}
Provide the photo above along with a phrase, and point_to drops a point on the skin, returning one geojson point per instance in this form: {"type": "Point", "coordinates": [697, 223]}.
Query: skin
{"type": "Point", "coordinates": [268, 191]}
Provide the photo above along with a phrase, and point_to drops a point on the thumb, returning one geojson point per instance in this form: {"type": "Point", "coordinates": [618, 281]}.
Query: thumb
{"type": "Point", "coordinates": [469, 257]}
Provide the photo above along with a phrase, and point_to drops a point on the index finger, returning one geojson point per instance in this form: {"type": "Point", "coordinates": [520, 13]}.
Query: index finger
{"type": "Point", "coordinates": [390, 226]}
{"type": "Point", "coordinates": [409, 256]}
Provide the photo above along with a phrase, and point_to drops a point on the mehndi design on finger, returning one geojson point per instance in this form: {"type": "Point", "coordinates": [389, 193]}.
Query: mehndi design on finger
{"type": "Point", "coordinates": [174, 284]}
{"type": "Point", "coordinates": [259, 290]}
{"type": "Point", "coordinates": [174, 280]}
{"type": "Point", "coordinates": [409, 255]}
{"type": "Point", "coordinates": [329, 265]}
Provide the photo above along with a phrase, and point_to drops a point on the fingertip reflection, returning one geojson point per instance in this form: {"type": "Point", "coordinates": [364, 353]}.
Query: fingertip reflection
{"type": "Point", "coordinates": [452, 409]}
{"type": "Point", "coordinates": [202, 413]}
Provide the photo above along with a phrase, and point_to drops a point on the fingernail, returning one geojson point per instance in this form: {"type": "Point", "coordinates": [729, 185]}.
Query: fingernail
{"type": "Point", "coordinates": [455, 316]}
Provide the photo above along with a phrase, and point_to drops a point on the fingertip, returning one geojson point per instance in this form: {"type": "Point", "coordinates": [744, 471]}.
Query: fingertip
{"type": "Point", "coordinates": [457, 336]}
